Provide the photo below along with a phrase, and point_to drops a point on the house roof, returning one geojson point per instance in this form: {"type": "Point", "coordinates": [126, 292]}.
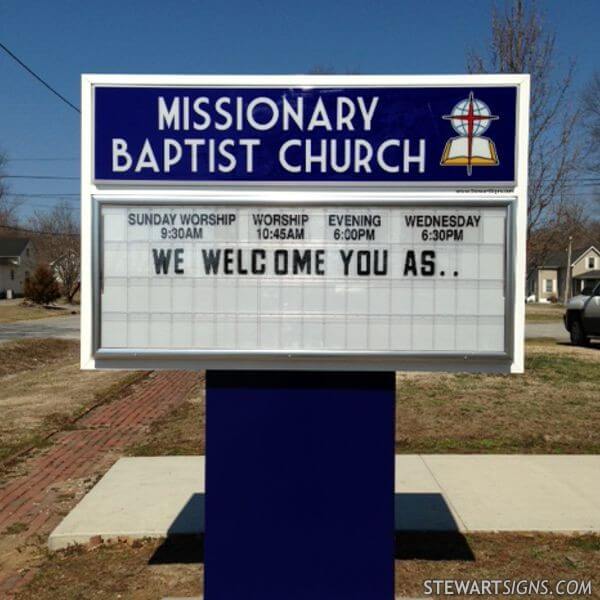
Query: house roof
{"type": "Point", "coordinates": [589, 275]}
{"type": "Point", "coordinates": [12, 247]}
{"type": "Point", "coordinates": [580, 254]}
{"type": "Point", "coordinates": [558, 260]}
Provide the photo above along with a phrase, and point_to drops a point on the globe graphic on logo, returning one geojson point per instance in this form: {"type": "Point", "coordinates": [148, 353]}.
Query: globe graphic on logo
{"type": "Point", "coordinates": [479, 109]}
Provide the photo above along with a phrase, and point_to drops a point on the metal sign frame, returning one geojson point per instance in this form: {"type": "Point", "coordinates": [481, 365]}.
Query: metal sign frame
{"type": "Point", "coordinates": [95, 194]}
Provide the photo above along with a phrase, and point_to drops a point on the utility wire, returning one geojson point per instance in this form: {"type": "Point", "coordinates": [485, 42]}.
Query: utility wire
{"type": "Point", "coordinates": [24, 230]}
{"type": "Point", "coordinates": [44, 159]}
{"type": "Point", "coordinates": [25, 195]}
{"type": "Point", "coordinates": [60, 177]}
{"type": "Point", "coordinates": [34, 74]}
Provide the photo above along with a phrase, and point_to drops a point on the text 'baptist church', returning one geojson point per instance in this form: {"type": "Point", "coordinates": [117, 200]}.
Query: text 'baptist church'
{"type": "Point", "coordinates": [314, 151]}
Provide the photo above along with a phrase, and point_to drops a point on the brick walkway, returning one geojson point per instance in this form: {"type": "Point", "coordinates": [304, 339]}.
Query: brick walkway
{"type": "Point", "coordinates": [31, 500]}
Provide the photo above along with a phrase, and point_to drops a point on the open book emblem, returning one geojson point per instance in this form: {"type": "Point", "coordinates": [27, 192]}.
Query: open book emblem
{"type": "Point", "coordinates": [470, 118]}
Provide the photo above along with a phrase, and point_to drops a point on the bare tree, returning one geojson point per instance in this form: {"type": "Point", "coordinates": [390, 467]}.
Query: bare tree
{"type": "Point", "coordinates": [9, 207]}
{"type": "Point", "coordinates": [521, 44]}
{"type": "Point", "coordinates": [591, 108]}
{"type": "Point", "coordinates": [57, 243]}
{"type": "Point", "coordinates": [554, 233]}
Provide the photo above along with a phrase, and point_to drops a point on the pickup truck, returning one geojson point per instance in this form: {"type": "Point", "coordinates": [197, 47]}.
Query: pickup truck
{"type": "Point", "coordinates": [582, 316]}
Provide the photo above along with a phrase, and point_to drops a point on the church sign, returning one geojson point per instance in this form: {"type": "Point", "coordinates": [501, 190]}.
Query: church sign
{"type": "Point", "coordinates": [367, 134]}
{"type": "Point", "coordinates": [304, 222]}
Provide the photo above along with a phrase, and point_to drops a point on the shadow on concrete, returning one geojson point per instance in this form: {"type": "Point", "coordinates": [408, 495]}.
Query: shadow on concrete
{"type": "Point", "coordinates": [425, 530]}
{"type": "Point", "coordinates": [190, 520]}
{"type": "Point", "coordinates": [185, 538]}
{"type": "Point", "coordinates": [423, 512]}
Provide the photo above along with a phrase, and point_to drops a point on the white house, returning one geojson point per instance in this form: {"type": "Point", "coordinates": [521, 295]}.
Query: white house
{"type": "Point", "coordinates": [548, 280]}
{"type": "Point", "coordinates": [16, 263]}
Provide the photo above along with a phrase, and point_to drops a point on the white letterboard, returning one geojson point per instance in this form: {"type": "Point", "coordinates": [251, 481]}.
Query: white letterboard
{"type": "Point", "coordinates": [313, 279]}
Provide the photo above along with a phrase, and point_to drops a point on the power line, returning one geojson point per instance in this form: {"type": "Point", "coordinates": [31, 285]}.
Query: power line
{"type": "Point", "coordinates": [33, 208]}
{"type": "Point", "coordinates": [42, 159]}
{"type": "Point", "coordinates": [55, 177]}
{"type": "Point", "coordinates": [24, 230]}
{"type": "Point", "coordinates": [24, 195]}
{"type": "Point", "coordinates": [30, 204]}
{"type": "Point", "coordinates": [34, 74]}
{"type": "Point", "coordinates": [46, 206]}
{"type": "Point", "coordinates": [45, 197]}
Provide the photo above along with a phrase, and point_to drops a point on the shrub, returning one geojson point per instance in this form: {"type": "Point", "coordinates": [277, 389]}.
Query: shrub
{"type": "Point", "coordinates": [553, 299]}
{"type": "Point", "coordinates": [42, 287]}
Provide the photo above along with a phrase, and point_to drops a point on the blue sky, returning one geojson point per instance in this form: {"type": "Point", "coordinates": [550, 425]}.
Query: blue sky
{"type": "Point", "coordinates": [62, 39]}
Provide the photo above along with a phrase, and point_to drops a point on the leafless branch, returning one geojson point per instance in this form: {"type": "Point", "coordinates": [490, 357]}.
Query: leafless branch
{"type": "Point", "coordinates": [58, 245]}
{"type": "Point", "coordinates": [521, 43]}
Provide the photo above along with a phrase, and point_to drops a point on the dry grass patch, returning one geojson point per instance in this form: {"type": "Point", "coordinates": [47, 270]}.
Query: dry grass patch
{"type": "Point", "coordinates": [180, 433]}
{"type": "Point", "coordinates": [496, 556]}
{"type": "Point", "coordinates": [112, 571]}
{"type": "Point", "coordinates": [136, 572]}
{"type": "Point", "coordinates": [544, 313]}
{"type": "Point", "coordinates": [15, 310]}
{"type": "Point", "coordinates": [554, 407]}
{"type": "Point", "coordinates": [42, 390]}
{"type": "Point", "coordinates": [26, 354]}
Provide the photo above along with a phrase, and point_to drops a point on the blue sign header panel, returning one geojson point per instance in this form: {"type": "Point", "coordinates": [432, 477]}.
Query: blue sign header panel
{"type": "Point", "coordinates": [427, 135]}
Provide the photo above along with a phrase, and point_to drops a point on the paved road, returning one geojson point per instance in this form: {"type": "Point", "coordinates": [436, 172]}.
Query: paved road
{"type": "Point", "coordinates": [552, 329]}
{"type": "Point", "coordinates": [53, 327]}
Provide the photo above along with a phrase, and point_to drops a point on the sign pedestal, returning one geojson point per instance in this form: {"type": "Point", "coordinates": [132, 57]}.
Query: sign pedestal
{"type": "Point", "coordinates": [299, 485]}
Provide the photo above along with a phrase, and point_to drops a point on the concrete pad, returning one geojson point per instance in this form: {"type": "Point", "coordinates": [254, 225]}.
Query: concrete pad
{"type": "Point", "coordinates": [419, 503]}
{"type": "Point", "coordinates": [521, 493]}
{"type": "Point", "coordinates": [138, 498]}
{"type": "Point", "coordinates": [162, 496]}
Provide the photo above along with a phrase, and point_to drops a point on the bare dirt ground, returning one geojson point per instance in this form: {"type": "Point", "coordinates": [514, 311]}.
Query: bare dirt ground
{"type": "Point", "coordinates": [16, 310]}
{"type": "Point", "coordinates": [152, 570]}
{"type": "Point", "coordinates": [42, 389]}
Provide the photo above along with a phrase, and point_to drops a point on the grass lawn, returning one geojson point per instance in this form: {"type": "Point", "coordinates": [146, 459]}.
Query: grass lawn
{"type": "Point", "coordinates": [15, 310]}
{"type": "Point", "coordinates": [42, 389]}
{"type": "Point", "coordinates": [553, 408]}
{"type": "Point", "coordinates": [147, 571]}
{"type": "Point", "coordinates": [544, 313]}
{"type": "Point", "coordinates": [180, 434]}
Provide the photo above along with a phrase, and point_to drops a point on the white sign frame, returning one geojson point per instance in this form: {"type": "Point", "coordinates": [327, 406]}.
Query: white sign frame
{"type": "Point", "coordinates": [93, 193]}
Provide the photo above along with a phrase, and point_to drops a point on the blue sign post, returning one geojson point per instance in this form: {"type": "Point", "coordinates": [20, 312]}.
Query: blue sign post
{"type": "Point", "coordinates": [300, 485]}
{"type": "Point", "coordinates": [275, 231]}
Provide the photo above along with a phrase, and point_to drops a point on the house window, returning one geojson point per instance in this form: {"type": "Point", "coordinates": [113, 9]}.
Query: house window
{"type": "Point", "coordinates": [591, 262]}
{"type": "Point", "coordinates": [12, 275]}
{"type": "Point", "coordinates": [548, 285]}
